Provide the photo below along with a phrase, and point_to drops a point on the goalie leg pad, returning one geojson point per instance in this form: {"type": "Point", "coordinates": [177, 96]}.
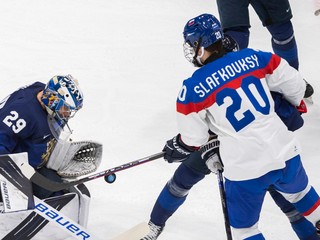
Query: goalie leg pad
{"type": "Point", "coordinates": [15, 188]}
{"type": "Point", "coordinates": [84, 203]}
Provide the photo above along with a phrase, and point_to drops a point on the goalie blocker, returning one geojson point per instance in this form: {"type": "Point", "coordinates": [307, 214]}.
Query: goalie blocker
{"type": "Point", "coordinates": [18, 217]}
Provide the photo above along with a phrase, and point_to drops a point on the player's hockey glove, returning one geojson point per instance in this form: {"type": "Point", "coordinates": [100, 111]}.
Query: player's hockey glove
{"type": "Point", "coordinates": [229, 44]}
{"type": "Point", "coordinates": [176, 151]}
{"type": "Point", "coordinates": [302, 108]}
{"type": "Point", "coordinates": [210, 154]}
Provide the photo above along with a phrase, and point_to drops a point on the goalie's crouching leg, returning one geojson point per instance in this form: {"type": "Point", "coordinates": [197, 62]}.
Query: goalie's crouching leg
{"type": "Point", "coordinates": [84, 203]}
{"type": "Point", "coordinates": [81, 191]}
{"type": "Point", "coordinates": [44, 193]}
{"type": "Point", "coordinates": [74, 205]}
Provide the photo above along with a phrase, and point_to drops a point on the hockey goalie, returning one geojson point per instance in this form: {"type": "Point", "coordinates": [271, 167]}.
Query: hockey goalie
{"type": "Point", "coordinates": [35, 136]}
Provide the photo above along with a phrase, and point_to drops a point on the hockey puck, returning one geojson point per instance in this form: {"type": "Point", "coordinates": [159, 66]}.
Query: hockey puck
{"type": "Point", "coordinates": [110, 178]}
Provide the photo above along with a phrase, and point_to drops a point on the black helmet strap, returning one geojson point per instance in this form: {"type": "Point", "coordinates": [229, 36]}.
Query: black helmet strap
{"type": "Point", "coordinates": [195, 62]}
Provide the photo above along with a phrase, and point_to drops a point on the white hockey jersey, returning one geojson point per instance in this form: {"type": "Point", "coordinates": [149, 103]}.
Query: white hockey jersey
{"type": "Point", "coordinates": [231, 97]}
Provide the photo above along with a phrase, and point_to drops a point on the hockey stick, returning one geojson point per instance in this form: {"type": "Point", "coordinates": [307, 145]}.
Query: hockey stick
{"type": "Point", "coordinates": [61, 221]}
{"type": "Point", "coordinates": [46, 183]}
{"type": "Point", "coordinates": [46, 211]}
{"type": "Point", "coordinates": [136, 232]}
{"type": "Point", "coordinates": [224, 205]}
{"type": "Point", "coordinates": [34, 223]}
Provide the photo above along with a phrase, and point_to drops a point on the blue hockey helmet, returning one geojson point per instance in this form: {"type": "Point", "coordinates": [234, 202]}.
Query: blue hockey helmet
{"type": "Point", "coordinates": [199, 33]}
{"type": "Point", "coordinates": [62, 98]}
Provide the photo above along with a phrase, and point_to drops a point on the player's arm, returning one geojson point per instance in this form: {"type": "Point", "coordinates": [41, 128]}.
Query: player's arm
{"type": "Point", "coordinates": [7, 143]}
{"type": "Point", "coordinates": [285, 80]}
{"type": "Point", "coordinates": [189, 138]}
{"type": "Point", "coordinates": [15, 125]}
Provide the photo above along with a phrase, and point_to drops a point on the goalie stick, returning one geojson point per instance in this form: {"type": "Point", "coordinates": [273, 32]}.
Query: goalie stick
{"type": "Point", "coordinates": [61, 221]}
{"type": "Point", "coordinates": [136, 232]}
{"type": "Point", "coordinates": [46, 183]}
{"type": "Point", "coordinates": [46, 211]}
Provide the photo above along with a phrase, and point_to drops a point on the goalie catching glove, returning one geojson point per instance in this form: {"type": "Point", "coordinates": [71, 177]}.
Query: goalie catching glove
{"type": "Point", "coordinates": [74, 159]}
{"type": "Point", "coordinates": [210, 154]}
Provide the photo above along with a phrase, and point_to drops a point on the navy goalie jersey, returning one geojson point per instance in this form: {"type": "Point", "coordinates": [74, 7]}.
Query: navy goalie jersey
{"type": "Point", "coordinates": [24, 126]}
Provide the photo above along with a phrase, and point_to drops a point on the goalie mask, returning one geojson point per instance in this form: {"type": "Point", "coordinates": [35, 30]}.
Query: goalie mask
{"type": "Point", "coordinates": [62, 98]}
{"type": "Point", "coordinates": [199, 33]}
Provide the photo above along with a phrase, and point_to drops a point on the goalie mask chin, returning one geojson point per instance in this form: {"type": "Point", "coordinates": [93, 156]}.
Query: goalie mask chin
{"type": "Point", "coordinates": [60, 130]}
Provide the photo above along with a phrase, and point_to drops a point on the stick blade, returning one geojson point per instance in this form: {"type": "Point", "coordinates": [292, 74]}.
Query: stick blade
{"type": "Point", "coordinates": [135, 233]}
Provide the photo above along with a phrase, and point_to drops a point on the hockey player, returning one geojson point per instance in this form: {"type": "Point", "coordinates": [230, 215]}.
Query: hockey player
{"type": "Point", "coordinates": [34, 120]}
{"type": "Point", "coordinates": [194, 110]}
{"type": "Point", "coordinates": [34, 116]}
{"type": "Point", "coordinates": [275, 15]}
